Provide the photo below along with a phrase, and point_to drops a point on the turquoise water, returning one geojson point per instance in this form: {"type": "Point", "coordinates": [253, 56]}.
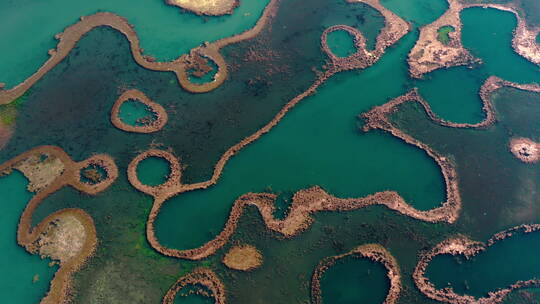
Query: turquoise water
{"type": "Point", "coordinates": [19, 267]}
{"type": "Point", "coordinates": [354, 280]}
{"type": "Point", "coordinates": [165, 32]}
{"type": "Point", "coordinates": [132, 110]}
{"type": "Point", "coordinates": [303, 150]}
{"type": "Point", "coordinates": [498, 267]}
{"type": "Point", "coordinates": [208, 76]}
{"type": "Point", "coordinates": [419, 12]}
{"type": "Point", "coordinates": [153, 171]}
{"type": "Point", "coordinates": [341, 43]}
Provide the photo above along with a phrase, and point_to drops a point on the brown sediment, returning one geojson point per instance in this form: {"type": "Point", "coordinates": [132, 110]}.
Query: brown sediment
{"type": "Point", "coordinates": [6, 132]}
{"type": "Point", "coordinates": [394, 29]}
{"type": "Point", "coordinates": [430, 54]}
{"type": "Point", "coordinates": [243, 257]}
{"type": "Point", "coordinates": [374, 252]}
{"type": "Point", "coordinates": [462, 245]}
{"type": "Point", "coordinates": [200, 276]}
{"type": "Point", "coordinates": [155, 124]}
{"type": "Point", "coordinates": [72, 34]}
{"type": "Point", "coordinates": [207, 7]}
{"type": "Point", "coordinates": [377, 118]}
{"type": "Point", "coordinates": [526, 150]}
{"type": "Point", "coordinates": [41, 170]}
{"type": "Point", "coordinates": [53, 236]}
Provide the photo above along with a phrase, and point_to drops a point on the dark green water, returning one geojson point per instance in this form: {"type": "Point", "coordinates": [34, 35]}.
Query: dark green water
{"type": "Point", "coordinates": [165, 32]}
{"type": "Point", "coordinates": [132, 110]}
{"type": "Point", "coordinates": [153, 171]}
{"type": "Point", "coordinates": [341, 43]}
{"type": "Point", "coordinates": [354, 280]}
{"type": "Point", "coordinates": [208, 76]}
{"type": "Point", "coordinates": [499, 267]}
{"type": "Point", "coordinates": [19, 267]}
{"type": "Point", "coordinates": [317, 143]}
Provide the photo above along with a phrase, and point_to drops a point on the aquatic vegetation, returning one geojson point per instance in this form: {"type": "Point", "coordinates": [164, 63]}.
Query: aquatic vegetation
{"type": "Point", "coordinates": [443, 33]}
{"type": "Point", "coordinates": [227, 155]}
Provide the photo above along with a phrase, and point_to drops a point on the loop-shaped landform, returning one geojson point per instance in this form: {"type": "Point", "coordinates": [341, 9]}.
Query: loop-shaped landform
{"type": "Point", "coordinates": [197, 60]}
{"type": "Point", "coordinates": [360, 58]}
{"type": "Point", "coordinates": [148, 125]}
{"type": "Point", "coordinates": [394, 29]}
{"type": "Point", "coordinates": [173, 180]}
{"type": "Point", "coordinates": [200, 276]}
{"type": "Point", "coordinates": [101, 161]}
{"type": "Point", "coordinates": [525, 149]}
{"type": "Point", "coordinates": [374, 252]}
{"type": "Point", "coordinates": [462, 245]}
{"type": "Point", "coordinates": [429, 53]}
{"type": "Point", "coordinates": [207, 7]}
{"type": "Point", "coordinates": [377, 117]}
{"type": "Point", "coordinates": [68, 235]}
{"type": "Point", "coordinates": [72, 34]}
{"type": "Point", "coordinates": [243, 258]}
{"type": "Point", "coordinates": [308, 200]}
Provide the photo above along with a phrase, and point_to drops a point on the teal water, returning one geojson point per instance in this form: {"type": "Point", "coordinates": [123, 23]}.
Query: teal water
{"type": "Point", "coordinates": [341, 43]}
{"type": "Point", "coordinates": [419, 12]}
{"type": "Point", "coordinates": [498, 267]}
{"type": "Point", "coordinates": [487, 33]}
{"type": "Point", "coordinates": [354, 280]}
{"type": "Point", "coordinates": [153, 171]}
{"type": "Point", "coordinates": [19, 266]}
{"type": "Point", "coordinates": [132, 110]}
{"type": "Point", "coordinates": [208, 77]}
{"type": "Point", "coordinates": [165, 32]}
{"type": "Point", "coordinates": [303, 150]}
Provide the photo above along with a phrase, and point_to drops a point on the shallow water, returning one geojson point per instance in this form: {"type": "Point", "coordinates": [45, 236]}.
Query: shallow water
{"type": "Point", "coordinates": [341, 43]}
{"type": "Point", "coordinates": [165, 31]}
{"type": "Point", "coordinates": [153, 171]}
{"type": "Point", "coordinates": [317, 143]}
{"type": "Point", "coordinates": [19, 266]}
{"type": "Point", "coordinates": [354, 280]}
{"type": "Point", "coordinates": [131, 111]}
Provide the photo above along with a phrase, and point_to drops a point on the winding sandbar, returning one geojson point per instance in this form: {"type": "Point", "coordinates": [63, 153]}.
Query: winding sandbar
{"type": "Point", "coordinates": [156, 124]}
{"type": "Point", "coordinates": [68, 39]}
{"type": "Point", "coordinates": [200, 276]}
{"type": "Point", "coordinates": [207, 7]}
{"type": "Point", "coordinates": [430, 54]}
{"type": "Point", "coordinates": [462, 245]}
{"type": "Point", "coordinates": [374, 252]}
{"type": "Point", "coordinates": [68, 235]}
{"type": "Point", "coordinates": [307, 201]}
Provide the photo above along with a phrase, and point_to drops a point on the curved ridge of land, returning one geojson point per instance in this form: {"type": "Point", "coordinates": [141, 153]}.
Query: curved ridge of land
{"type": "Point", "coordinates": [462, 245]}
{"type": "Point", "coordinates": [374, 252]}
{"type": "Point", "coordinates": [200, 276]}
{"type": "Point", "coordinates": [207, 7]}
{"type": "Point", "coordinates": [154, 125]}
{"type": "Point", "coordinates": [51, 231]}
{"type": "Point", "coordinates": [377, 117]}
{"type": "Point", "coordinates": [68, 39]}
{"type": "Point", "coordinates": [429, 54]}
{"type": "Point", "coordinates": [173, 185]}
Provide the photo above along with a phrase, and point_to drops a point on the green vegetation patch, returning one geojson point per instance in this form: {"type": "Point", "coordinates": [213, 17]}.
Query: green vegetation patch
{"type": "Point", "coordinates": [443, 33]}
{"type": "Point", "coordinates": [8, 112]}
